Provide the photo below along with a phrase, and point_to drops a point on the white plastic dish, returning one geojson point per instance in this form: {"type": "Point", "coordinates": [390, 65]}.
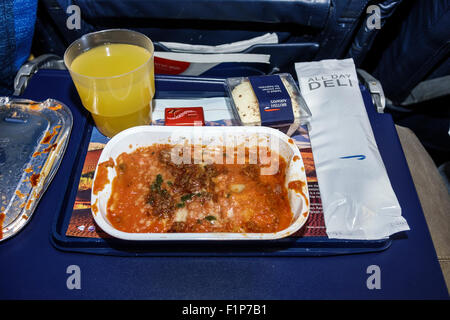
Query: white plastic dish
{"type": "Point", "coordinates": [142, 136]}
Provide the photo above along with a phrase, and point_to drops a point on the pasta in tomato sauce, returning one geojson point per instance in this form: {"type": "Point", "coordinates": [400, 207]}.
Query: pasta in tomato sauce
{"type": "Point", "coordinates": [152, 194]}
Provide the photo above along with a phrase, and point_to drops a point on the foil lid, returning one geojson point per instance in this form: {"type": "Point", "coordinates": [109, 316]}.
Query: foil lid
{"type": "Point", "coordinates": [33, 139]}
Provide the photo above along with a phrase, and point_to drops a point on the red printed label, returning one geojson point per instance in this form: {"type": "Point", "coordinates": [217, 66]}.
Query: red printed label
{"type": "Point", "coordinates": [171, 67]}
{"type": "Point", "coordinates": [184, 116]}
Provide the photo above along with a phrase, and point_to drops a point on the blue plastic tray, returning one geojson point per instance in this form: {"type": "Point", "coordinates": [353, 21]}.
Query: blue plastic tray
{"type": "Point", "coordinates": [183, 87]}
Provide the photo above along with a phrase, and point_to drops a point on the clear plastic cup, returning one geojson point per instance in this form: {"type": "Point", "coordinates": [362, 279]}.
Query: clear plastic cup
{"type": "Point", "coordinates": [113, 71]}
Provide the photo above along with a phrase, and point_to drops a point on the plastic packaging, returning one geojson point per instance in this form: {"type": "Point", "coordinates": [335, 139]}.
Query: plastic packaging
{"type": "Point", "coordinates": [357, 197]}
{"type": "Point", "coordinates": [272, 100]}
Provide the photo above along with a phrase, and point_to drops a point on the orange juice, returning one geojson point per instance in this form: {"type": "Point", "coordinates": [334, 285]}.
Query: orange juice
{"type": "Point", "coordinates": [116, 84]}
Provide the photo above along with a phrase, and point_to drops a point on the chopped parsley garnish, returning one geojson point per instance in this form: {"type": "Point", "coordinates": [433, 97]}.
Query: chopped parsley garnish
{"type": "Point", "coordinates": [187, 197]}
{"type": "Point", "coordinates": [156, 186]}
{"type": "Point", "coordinates": [180, 205]}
